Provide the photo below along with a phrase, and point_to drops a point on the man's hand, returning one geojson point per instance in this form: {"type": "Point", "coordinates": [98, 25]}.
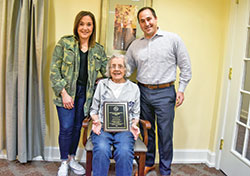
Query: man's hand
{"type": "Point", "coordinates": [68, 102]}
{"type": "Point", "coordinates": [179, 98]}
{"type": "Point", "coordinates": [135, 130]}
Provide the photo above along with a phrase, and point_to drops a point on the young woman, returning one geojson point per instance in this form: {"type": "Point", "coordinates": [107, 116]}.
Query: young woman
{"type": "Point", "coordinates": [76, 61]}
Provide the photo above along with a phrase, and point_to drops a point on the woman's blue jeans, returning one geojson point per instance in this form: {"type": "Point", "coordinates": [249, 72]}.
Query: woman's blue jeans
{"type": "Point", "coordinates": [70, 121]}
{"type": "Point", "coordinates": [123, 143]}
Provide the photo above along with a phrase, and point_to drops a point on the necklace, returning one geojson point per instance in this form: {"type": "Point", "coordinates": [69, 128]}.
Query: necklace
{"type": "Point", "coordinates": [84, 48]}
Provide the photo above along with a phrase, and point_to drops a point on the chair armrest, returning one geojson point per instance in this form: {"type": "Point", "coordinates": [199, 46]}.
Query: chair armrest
{"type": "Point", "coordinates": [145, 125]}
{"type": "Point", "coordinates": [85, 125]}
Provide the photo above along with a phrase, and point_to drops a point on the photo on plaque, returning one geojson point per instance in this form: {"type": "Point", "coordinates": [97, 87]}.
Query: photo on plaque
{"type": "Point", "coordinates": [116, 116]}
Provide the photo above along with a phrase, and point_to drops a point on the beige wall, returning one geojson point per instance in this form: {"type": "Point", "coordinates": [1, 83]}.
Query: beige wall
{"type": "Point", "coordinates": [203, 27]}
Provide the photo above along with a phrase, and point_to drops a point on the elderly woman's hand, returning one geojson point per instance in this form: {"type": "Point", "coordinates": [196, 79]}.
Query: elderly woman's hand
{"type": "Point", "coordinates": [135, 130]}
{"type": "Point", "coordinates": [96, 124]}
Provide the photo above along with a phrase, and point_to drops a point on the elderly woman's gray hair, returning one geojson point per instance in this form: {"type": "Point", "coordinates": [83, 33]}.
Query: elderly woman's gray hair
{"type": "Point", "coordinates": [127, 68]}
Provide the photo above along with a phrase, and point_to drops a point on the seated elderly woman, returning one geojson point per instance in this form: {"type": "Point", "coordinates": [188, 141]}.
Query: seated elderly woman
{"type": "Point", "coordinates": [114, 88]}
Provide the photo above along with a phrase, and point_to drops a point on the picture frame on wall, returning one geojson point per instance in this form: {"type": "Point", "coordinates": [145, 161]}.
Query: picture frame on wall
{"type": "Point", "coordinates": [119, 25]}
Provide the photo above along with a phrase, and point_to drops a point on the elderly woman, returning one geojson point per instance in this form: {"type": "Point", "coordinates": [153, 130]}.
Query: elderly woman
{"type": "Point", "coordinates": [114, 88]}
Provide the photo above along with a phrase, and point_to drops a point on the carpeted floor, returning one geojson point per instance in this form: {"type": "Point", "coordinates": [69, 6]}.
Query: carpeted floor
{"type": "Point", "coordinates": [43, 168]}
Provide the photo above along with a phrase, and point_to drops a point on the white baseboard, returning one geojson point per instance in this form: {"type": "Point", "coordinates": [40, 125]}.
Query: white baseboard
{"type": "Point", "coordinates": [53, 154]}
{"type": "Point", "coordinates": [3, 154]}
{"type": "Point", "coordinates": [194, 156]}
{"type": "Point", "coordinates": [180, 156]}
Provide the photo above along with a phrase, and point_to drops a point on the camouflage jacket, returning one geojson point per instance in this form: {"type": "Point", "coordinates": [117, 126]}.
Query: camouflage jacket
{"type": "Point", "coordinates": [65, 65]}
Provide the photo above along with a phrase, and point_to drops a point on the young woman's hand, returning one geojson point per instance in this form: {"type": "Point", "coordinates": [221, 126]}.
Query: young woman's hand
{"type": "Point", "coordinates": [68, 102]}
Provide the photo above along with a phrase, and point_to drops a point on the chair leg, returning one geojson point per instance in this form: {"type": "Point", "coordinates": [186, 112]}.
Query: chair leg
{"type": "Point", "coordinates": [89, 163]}
{"type": "Point", "coordinates": [141, 164]}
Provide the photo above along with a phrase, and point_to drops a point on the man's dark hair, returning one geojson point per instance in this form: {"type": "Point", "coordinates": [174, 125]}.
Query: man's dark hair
{"type": "Point", "coordinates": [145, 8]}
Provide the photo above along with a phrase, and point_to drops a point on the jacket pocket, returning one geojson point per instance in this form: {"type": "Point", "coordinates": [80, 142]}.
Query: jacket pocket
{"type": "Point", "coordinates": [69, 56]}
{"type": "Point", "coordinates": [68, 63]}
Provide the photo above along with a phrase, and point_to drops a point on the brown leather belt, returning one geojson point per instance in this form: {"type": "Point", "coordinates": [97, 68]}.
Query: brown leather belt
{"type": "Point", "coordinates": [157, 86]}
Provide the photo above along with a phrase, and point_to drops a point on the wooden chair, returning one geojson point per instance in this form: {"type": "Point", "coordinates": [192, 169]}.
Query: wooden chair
{"type": "Point", "coordinates": [140, 148]}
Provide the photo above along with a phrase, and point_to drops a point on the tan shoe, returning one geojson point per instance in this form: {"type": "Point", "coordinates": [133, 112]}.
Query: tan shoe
{"type": "Point", "coordinates": [146, 170]}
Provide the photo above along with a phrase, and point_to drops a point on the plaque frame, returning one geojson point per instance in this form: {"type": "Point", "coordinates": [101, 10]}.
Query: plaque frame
{"type": "Point", "coordinates": [120, 108]}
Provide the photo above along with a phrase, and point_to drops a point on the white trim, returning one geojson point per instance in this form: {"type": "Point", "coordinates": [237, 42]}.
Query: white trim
{"type": "Point", "coordinates": [3, 154]}
{"type": "Point", "coordinates": [226, 83]}
{"type": "Point", "coordinates": [180, 156]}
{"type": "Point", "coordinates": [53, 154]}
{"type": "Point", "coordinates": [195, 156]}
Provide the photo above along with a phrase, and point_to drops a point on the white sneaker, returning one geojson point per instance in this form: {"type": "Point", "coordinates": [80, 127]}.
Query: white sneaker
{"type": "Point", "coordinates": [63, 169]}
{"type": "Point", "coordinates": [76, 167]}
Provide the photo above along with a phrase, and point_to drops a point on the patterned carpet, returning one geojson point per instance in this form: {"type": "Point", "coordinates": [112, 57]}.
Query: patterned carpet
{"type": "Point", "coordinates": [42, 168]}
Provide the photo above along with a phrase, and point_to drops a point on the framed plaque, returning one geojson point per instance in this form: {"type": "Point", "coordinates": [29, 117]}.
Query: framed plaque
{"type": "Point", "coordinates": [115, 116]}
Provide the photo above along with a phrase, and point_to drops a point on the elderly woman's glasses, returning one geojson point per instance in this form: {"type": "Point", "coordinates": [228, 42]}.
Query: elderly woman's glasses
{"type": "Point", "coordinates": [119, 66]}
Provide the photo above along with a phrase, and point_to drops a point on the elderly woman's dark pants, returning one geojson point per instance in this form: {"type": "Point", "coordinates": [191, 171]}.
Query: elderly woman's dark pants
{"type": "Point", "coordinates": [70, 121]}
{"type": "Point", "coordinates": [159, 104]}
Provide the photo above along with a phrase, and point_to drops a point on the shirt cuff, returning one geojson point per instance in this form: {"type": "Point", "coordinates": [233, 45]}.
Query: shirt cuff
{"type": "Point", "coordinates": [181, 88]}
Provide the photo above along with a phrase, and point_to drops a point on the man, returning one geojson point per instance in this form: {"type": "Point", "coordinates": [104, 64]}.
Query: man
{"type": "Point", "coordinates": [156, 57]}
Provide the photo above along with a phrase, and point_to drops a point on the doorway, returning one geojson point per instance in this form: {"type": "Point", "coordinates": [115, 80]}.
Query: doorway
{"type": "Point", "coordinates": [235, 155]}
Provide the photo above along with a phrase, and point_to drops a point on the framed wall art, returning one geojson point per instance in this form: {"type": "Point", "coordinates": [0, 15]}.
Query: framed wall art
{"type": "Point", "coordinates": [119, 25]}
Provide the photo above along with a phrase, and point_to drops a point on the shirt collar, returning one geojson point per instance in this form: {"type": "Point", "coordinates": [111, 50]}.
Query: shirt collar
{"type": "Point", "coordinates": [158, 33]}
